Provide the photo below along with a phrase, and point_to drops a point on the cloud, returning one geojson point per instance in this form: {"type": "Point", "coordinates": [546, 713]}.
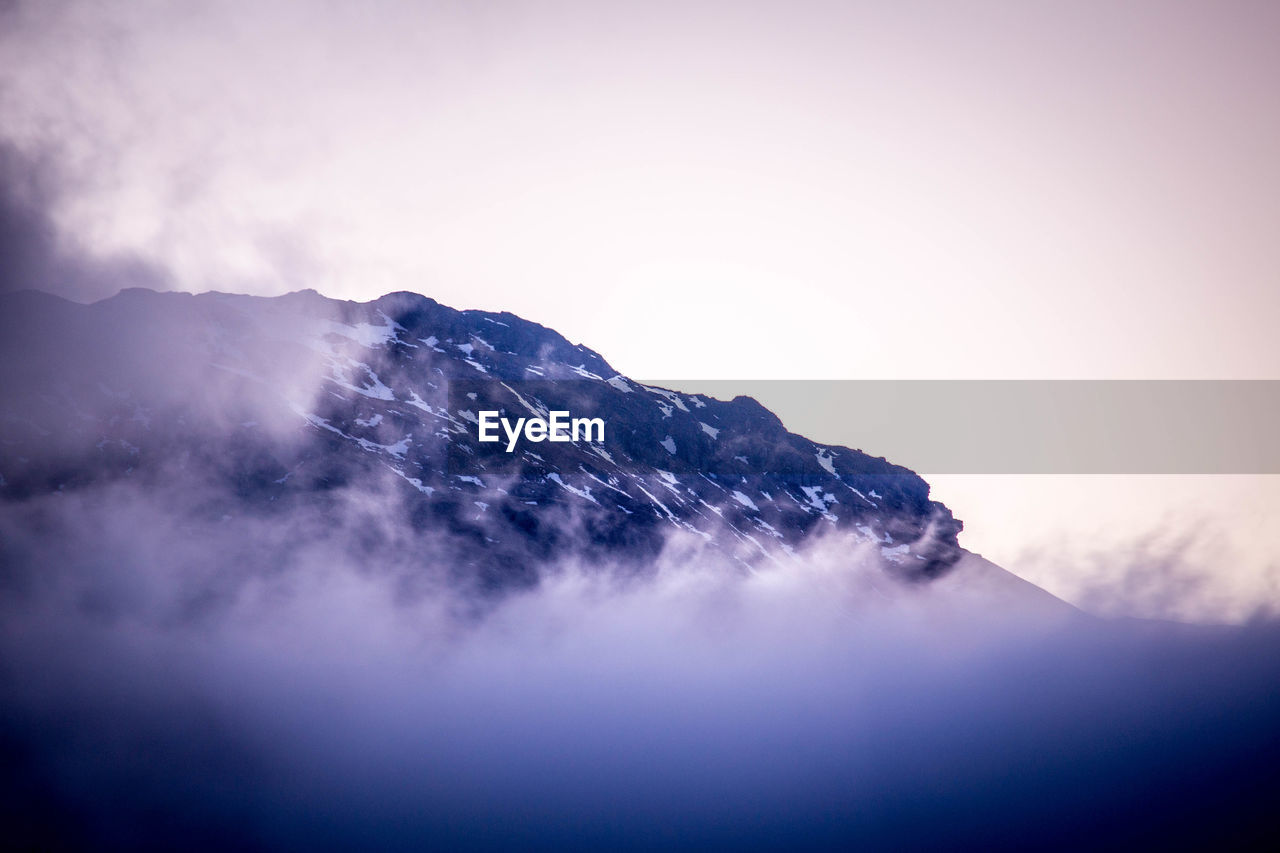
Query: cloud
{"type": "Point", "coordinates": [38, 255]}
{"type": "Point", "coordinates": [187, 662]}
{"type": "Point", "coordinates": [1188, 572]}
{"type": "Point", "coordinates": [316, 675]}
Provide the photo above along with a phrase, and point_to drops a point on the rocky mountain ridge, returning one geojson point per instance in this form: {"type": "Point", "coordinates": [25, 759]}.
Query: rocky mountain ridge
{"type": "Point", "coordinates": [287, 399]}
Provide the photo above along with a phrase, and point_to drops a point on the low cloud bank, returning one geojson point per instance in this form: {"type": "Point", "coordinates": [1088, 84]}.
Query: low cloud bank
{"type": "Point", "coordinates": [314, 681]}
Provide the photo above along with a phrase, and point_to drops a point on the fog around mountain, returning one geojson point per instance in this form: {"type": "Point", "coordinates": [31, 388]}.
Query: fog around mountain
{"type": "Point", "coordinates": [259, 591]}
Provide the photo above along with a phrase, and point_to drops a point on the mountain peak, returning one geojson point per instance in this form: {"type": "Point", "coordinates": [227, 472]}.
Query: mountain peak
{"type": "Point", "coordinates": [326, 394]}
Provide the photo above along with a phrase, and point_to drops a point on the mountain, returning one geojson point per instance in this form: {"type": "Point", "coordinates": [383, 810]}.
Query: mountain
{"type": "Point", "coordinates": [243, 409]}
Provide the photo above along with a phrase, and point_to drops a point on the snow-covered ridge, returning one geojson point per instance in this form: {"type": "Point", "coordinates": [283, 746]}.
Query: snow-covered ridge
{"type": "Point", "coordinates": [340, 393]}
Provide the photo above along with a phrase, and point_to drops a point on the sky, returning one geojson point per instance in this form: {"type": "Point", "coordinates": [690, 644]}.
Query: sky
{"type": "Point", "coordinates": [792, 189]}
{"type": "Point", "coordinates": [800, 190]}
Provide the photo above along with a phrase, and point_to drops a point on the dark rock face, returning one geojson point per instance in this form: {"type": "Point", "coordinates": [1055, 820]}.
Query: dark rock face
{"type": "Point", "coordinates": [266, 404]}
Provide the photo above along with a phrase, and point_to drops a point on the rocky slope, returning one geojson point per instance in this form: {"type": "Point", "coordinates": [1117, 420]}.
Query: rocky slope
{"type": "Point", "coordinates": [259, 405]}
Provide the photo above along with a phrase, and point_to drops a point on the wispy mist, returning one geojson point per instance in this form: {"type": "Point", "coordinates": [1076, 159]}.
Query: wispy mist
{"type": "Point", "coordinates": [306, 680]}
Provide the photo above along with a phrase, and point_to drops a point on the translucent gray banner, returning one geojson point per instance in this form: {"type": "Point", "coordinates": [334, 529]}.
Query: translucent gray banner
{"type": "Point", "coordinates": [1032, 426]}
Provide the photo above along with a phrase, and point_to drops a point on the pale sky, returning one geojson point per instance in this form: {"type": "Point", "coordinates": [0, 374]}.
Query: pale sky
{"type": "Point", "coordinates": [814, 190]}
{"type": "Point", "coordinates": [696, 190]}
